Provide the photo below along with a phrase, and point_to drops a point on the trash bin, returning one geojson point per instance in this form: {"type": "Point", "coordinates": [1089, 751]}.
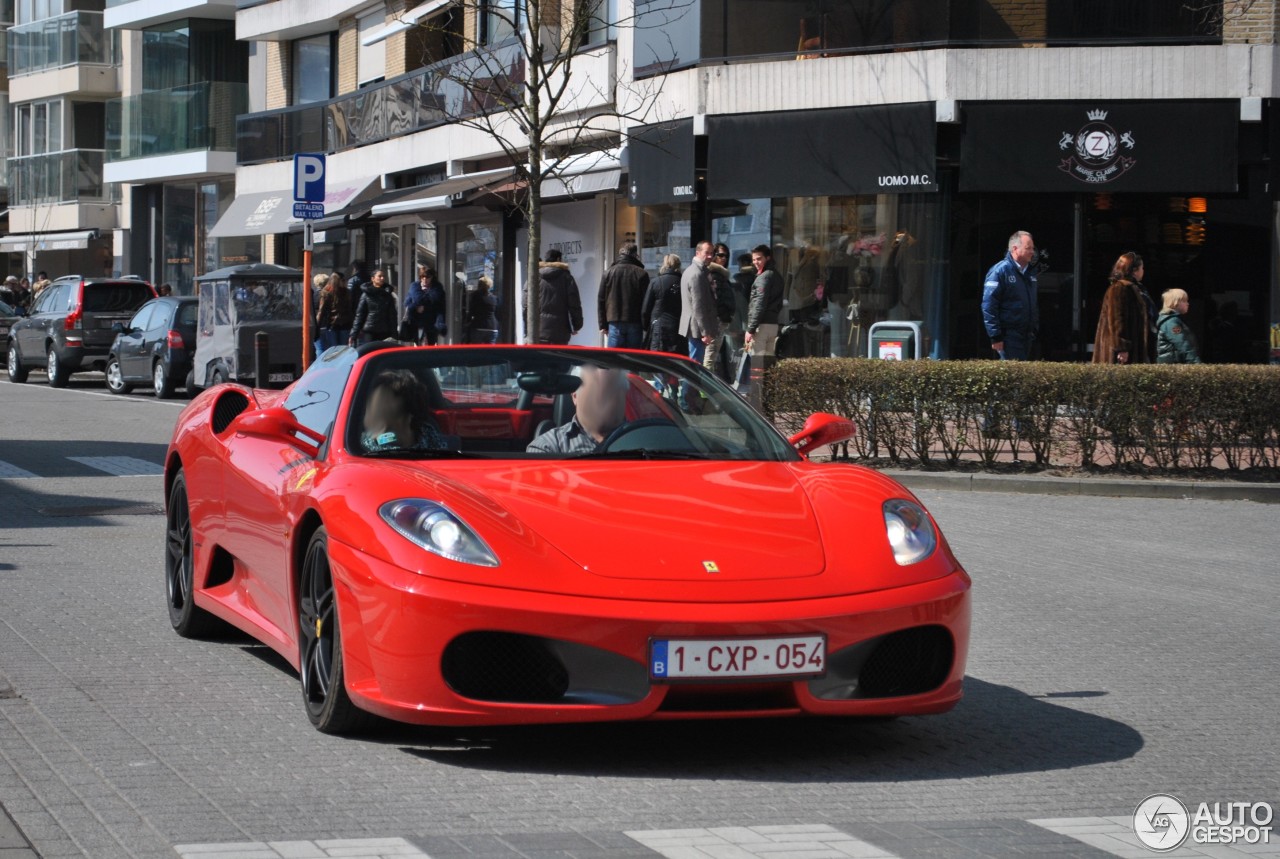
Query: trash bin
{"type": "Point", "coordinates": [896, 341]}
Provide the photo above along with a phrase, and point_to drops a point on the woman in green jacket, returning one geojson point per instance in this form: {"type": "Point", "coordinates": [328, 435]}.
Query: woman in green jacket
{"type": "Point", "coordinates": [1175, 344]}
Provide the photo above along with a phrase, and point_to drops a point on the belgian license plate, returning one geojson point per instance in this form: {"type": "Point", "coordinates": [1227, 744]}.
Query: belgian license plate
{"type": "Point", "coordinates": [279, 377]}
{"type": "Point", "coordinates": [730, 658]}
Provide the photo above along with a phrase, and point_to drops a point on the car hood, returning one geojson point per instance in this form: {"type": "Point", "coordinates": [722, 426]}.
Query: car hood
{"type": "Point", "coordinates": [666, 521]}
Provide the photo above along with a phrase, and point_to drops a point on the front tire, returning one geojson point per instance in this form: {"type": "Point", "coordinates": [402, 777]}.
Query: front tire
{"type": "Point", "coordinates": [324, 689]}
{"type": "Point", "coordinates": [160, 379]}
{"type": "Point", "coordinates": [17, 372]}
{"type": "Point", "coordinates": [115, 377]}
{"type": "Point", "coordinates": [58, 375]}
{"type": "Point", "coordinates": [186, 618]}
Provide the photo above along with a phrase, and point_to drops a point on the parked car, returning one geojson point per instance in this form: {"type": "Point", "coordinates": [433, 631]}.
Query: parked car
{"type": "Point", "coordinates": [70, 326]}
{"type": "Point", "coordinates": [155, 346]}
{"type": "Point", "coordinates": [9, 316]}
{"type": "Point", "coordinates": [515, 534]}
{"type": "Point", "coordinates": [237, 303]}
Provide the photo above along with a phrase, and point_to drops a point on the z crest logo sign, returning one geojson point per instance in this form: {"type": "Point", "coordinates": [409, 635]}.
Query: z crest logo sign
{"type": "Point", "coordinates": [1096, 156]}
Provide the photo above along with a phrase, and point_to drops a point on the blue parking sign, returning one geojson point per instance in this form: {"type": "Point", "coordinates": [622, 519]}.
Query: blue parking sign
{"type": "Point", "coordinates": [308, 177]}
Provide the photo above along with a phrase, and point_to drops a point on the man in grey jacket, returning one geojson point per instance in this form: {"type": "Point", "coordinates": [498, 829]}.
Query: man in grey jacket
{"type": "Point", "coordinates": [698, 320]}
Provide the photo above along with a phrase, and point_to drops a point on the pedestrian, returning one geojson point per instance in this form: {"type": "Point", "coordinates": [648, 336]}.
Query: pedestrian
{"type": "Point", "coordinates": [333, 312]}
{"type": "Point", "coordinates": [482, 313]}
{"type": "Point", "coordinates": [661, 309]}
{"type": "Point", "coordinates": [375, 317]}
{"type": "Point", "coordinates": [9, 292]}
{"type": "Point", "coordinates": [424, 308]}
{"type": "Point", "coordinates": [42, 281]}
{"type": "Point", "coordinates": [356, 279]}
{"type": "Point", "coordinates": [767, 291]}
{"type": "Point", "coordinates": [1125, 332]}
{"type": "Point", "coordinates": [722, 297]}
{"type": "Point", "coordinates": [1010, 305]}
{"type": "Point", "coordinates": [165, 289]}
{"type": "Point", "coordinates": [559, 302]}
{"type": "Point", "coordinates": [698, 322]}
{"type": "Point", "coordinates": [621, 295]}
{"type": "Point", "coordinates": [1175, 342]}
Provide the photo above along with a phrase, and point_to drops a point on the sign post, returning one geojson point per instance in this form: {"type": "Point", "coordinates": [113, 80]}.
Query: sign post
{"type": "Point", "coordinates": [308, 195]}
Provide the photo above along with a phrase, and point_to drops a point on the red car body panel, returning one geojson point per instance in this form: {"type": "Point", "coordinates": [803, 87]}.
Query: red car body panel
{"type": "Point", "coordinates": [606, 555]}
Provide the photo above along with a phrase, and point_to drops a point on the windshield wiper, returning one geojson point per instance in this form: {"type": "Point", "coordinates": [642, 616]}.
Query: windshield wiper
{"type": "Point", "coordinates": [644, 453]}
{"type": "Point", "coordinates": [419, 453]}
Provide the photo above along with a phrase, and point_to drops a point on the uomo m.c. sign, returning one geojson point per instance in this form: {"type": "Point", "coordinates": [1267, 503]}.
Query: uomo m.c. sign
{"type": "Point", "coordinates": [904, 179]}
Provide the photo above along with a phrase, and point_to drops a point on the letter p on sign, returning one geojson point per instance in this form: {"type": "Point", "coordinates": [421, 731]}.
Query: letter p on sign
{"type": "Point", "coordinates": [308, 177]}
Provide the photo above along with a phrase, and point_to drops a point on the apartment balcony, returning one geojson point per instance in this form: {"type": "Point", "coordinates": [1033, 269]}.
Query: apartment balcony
{"type": "Point", "coordinates": [68, 55]}
{"type": "Point", "coordinates": [185, 132]}
{"type": "Point", "coordinates": [60, 191]}
{"type": "Point", "coordinates": [138, 14]}
{"type": "Point", "coordinates": [455, 88]}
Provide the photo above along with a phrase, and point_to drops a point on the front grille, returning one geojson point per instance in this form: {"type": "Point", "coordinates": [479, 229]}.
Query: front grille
{"type": "Point", "coordinates": [907, 663]}
{"type": "Point", "coordinates": [504, 666]}
{"type": "Point", "coordinates": [225, 410]}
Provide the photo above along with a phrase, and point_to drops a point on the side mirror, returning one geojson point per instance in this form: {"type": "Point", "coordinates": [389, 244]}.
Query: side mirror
{"type": "Point", "coordinates": [822, 429]}
{"type": "Point", "coordinates": [118, 328]}
{"type": "Point", "coordinates": [278, 424]}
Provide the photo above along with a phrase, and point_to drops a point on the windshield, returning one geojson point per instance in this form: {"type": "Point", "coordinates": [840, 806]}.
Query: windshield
{"type": "Point", "coordinates": [264, 300]}
{"type": "Point", "coordinates": [523, 402]}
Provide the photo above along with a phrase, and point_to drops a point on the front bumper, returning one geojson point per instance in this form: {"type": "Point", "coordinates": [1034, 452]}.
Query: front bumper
{"type": "Point", "coordinates": [429, 651]}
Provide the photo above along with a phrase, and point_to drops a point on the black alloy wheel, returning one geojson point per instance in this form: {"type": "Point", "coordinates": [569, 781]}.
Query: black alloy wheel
{"type": "Point", "coordinates": [324, 690]}
{"type": "Point", "coordinates": [187, 619]}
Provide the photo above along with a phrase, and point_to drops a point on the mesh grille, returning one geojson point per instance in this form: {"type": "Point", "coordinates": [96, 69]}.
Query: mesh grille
{"type": "Point", "coordinates": [504, 666]}
{"type": "Point", "coordinates": [907, 663]}
{"type": "Point", "coordinates": [225, 410]}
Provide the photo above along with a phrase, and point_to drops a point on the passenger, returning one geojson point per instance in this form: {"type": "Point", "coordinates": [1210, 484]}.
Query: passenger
{"type": "Point", "coordinates": [398, 415]}
{"type": "Point", "coordinates": [601, 404]}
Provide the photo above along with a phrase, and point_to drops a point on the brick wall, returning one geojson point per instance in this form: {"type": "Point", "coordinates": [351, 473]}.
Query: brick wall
{"type": "Point", "coordinates": [396, 64]}
{"type": "Point", "coordinates": [279, 74]}
{"type": "Point", "coordinates": [1028, 19]}
{"type": "Point", "coordinates": [1249, 22]}
{"type": "Point", "coordinates": [348, 53]}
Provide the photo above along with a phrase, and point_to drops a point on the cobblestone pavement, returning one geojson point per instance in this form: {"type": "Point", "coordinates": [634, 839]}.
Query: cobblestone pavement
{"type": "Point", "coordinates": [1122, 647]}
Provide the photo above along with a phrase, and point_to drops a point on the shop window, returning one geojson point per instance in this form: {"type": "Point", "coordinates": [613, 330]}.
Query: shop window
{"type": "Point", "coordinates": [849, 262]}
{"type": "Point", "coordinates": [666, 229]}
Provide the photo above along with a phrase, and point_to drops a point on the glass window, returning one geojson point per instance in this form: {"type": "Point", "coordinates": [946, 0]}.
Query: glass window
{"type": "Point", "coordinates": [849, 262]}
{"type": "Point", "coordinates": [390, 258]}
{"type": "Point", "coordinates": [187, 314]}
{"type": "Point", "coordinates": [315, 401]}
{"type": "Point", "coordinates": [500, 20]}
{"type": "Point", "coordinates": [179, 232]}
{"type": "Point", "coordinates": [55, 127]}
{"type": "Point", "coordinates": [547, 403]}
{"type": "Point", "coordinates": [23, 136]}
{"type": "Point", "coordinates": [115, 296]}
{"type": "Point", "coordinates": [477, 260]}
{"type": "Point", "coordinates": [39, 128]}
{"type": "Point", "coordinates": [141, 320]}
{"type": "Point", "coordinates": [598, 19]}
{"type": "Point", "coordinates": [371, 60]}
{"type": "Point", "coordinates": [666, 230]}
{"type": "Point", "coordinates": [667, 35]}
{"type": "Point", "coordinates": [313, 69]}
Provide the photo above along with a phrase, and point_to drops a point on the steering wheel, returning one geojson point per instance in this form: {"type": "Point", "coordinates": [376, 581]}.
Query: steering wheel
{"type": "Point", "coordinates": [663, 429]}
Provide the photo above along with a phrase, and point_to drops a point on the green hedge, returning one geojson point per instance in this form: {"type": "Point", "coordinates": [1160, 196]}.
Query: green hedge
{"type": "Point", "coordinates": [1164, 417]}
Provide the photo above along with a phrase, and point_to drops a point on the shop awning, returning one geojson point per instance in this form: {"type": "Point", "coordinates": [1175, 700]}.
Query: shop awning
{"type": "Point", "coordinates": [71, 241]}
{"type": "Point", "coordinates": [877, 149]}
{"type": "Point", "coordinates": [440, 195]}
{"type": "Point", "coordinates": [405, 21]}
{"type": "Point", "coordinates": [269, 212]}
{"type": "Point", "coordinates": [662, 164]}
{"type": "Point", "coordinates": [1101, 146]}
{"type": "Point", "coordinates": [345, 205]}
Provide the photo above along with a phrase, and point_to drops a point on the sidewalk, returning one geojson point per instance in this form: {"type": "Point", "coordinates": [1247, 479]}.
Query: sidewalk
{"type": "Point", "coordinates": [12, 843]}
{"type": "Point", "coordinates": [1115, 487]}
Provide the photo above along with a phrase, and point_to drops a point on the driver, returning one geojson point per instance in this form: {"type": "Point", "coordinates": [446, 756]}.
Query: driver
{"type": "Point", "coordinates": [601, 405]}
{"type": "Point", "coordinates": [398, 415]}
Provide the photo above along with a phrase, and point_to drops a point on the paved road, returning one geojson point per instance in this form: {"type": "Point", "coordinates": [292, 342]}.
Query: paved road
{"type": "Point", "coordinates": [1121, 647]}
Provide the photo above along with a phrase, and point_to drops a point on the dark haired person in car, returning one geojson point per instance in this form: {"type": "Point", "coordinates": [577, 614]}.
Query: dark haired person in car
{"type": "Point", "coordinates": [398, 415]}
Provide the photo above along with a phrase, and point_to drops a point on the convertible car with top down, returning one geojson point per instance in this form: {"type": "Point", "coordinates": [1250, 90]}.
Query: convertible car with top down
{"type": "Point", "coordinates": [483, 535]}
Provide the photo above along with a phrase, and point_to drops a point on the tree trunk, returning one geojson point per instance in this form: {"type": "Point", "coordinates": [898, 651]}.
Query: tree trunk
{"type": "Point", "coordinates": [533, 294]}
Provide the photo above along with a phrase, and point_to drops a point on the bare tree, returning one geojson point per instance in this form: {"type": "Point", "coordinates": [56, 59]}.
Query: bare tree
{"type": "Point", "coordinates": [511, 69]}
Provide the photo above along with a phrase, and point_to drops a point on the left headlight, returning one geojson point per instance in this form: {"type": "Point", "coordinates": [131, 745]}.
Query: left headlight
{"type": "Point", "coordinates": [437, 529]}
{"type": "Point", "coordinates": [910, 531]}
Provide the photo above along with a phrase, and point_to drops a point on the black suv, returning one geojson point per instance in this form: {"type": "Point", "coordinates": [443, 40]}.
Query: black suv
{"type": "Point", "coordinates": [156, 345]}
{"type": "Point", "coordinates": [70, 326]}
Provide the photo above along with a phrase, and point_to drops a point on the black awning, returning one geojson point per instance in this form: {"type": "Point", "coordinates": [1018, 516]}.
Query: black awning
{"type": "Point", "coordinates": [662, 165]}
{"type": "Point", "coordinates": [854, 150]}
{"type": "Point", "coordinates": [1101, 146]}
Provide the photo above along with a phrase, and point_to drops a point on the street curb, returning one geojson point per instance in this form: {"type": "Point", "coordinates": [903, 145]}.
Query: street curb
{"type": "Point", "coordinates": [13, 844]}
{"type": "Point", "coordinates": [1262, 493]}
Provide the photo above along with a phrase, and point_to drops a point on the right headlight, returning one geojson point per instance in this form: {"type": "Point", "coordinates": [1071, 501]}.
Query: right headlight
{"type": "Point", "coordinates": [910, 531]}
{"type": "Point", "coordinates": [435, 528]}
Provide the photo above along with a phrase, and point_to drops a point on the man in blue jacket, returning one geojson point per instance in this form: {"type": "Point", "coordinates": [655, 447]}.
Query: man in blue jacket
{"type": "Point", "coordinates": [1009, 303]}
